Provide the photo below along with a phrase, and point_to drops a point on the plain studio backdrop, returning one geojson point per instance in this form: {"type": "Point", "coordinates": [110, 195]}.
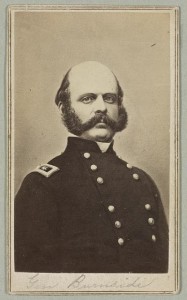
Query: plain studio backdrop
{"type": "Point", "coordinates": [135, 45]}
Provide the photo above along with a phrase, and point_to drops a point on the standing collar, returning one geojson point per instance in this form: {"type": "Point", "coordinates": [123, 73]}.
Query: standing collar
{"type": "Point", "coordinates": [87, 145]}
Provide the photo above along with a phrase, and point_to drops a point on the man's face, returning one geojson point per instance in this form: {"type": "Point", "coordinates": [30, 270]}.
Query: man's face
{"type": "Point", "coordinates": [94, 92]}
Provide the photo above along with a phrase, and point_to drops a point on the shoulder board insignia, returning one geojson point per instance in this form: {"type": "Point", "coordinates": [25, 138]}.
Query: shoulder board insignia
{"type": "Point", "coordinates": [46, 170]}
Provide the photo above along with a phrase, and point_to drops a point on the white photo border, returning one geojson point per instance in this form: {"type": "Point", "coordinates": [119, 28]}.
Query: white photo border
{"type": "Point", "coordinates": [55, 284]}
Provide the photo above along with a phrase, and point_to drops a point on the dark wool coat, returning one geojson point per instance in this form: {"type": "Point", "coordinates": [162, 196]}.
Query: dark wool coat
{"type": "Point", "coordinates": [95, 213]}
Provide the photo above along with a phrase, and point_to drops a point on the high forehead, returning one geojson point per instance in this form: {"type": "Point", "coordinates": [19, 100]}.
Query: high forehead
{"type": "Point", "coordinates": [93, 77]}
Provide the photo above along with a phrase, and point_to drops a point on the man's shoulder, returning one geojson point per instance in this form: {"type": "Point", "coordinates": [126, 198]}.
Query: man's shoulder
{"type": "Point", "coordinates": [42, 176]}
{"type": "Point", "coordinates": [44, 172]}
{"type": "Point", "coordinates": [52, 167]}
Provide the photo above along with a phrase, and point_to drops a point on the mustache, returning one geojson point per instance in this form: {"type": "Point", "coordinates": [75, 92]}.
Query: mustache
{"type": "Point", "coordinates": [99, 118]}
{"type": "Point", "coordinates": [74, 125]}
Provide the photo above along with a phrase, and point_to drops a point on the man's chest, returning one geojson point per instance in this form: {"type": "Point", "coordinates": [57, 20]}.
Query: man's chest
{"type": "Point", "coordinates": [98, 195]}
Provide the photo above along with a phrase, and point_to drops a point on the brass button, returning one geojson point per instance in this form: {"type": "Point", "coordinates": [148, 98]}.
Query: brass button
{"type": "Point", "coordinates": [153, 238]}
{"type": "Point", "coordinates": [100, 180]}
{"type": "Point", "coordinates": [151, 221]}
{"type": "Point", "coordinates": [93, 167]}
{"type": "Point", "coordinates": [118, 224]}
{"type": "Point", "coordinates": [87, 155]}
{"type": "Point", "coordinates": [120, 241]}
{"type": "Point", "coordinates": [148, 206]}
{"type": "Point", "coordinates": [111, 208]}
{"type": "Point", "coordinates": [135, 176]}
{"type": "Point", "coordinates": [129, 166]}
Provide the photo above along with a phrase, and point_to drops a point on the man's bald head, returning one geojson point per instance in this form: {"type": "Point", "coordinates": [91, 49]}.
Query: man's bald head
{"type": "Point", "coordinates": [92, 74]}
{"type": "Point", "coordinates": [86, 73]}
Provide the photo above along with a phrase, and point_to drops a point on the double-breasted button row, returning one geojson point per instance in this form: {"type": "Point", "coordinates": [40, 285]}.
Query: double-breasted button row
{"type": "Point", "coordinates": [111, 208]}
{"type": "Point", "coordinates": [93, 167]}
{"type": "Point", "coordinates": [117, 224]}
{"type": "Point", "coordinates": [150, 220]}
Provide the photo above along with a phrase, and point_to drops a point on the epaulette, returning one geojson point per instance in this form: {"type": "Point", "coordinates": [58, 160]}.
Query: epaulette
{"type": "Point", "coordinates": [46, 170]}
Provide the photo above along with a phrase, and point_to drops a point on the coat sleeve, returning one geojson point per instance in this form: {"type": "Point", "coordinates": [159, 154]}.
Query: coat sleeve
{"type": "Point", "coordinates": [36, 225]}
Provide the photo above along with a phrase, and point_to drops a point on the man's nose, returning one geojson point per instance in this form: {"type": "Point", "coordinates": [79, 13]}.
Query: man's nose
{"type": "Point", "coordinates": [99, 104]}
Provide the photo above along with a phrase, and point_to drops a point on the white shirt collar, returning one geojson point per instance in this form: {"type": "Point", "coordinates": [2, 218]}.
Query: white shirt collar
{"type": "Point", "coordinates": [103, 146]}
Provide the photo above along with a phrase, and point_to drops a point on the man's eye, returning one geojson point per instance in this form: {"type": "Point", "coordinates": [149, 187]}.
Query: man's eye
{"type": "Point", "coordinates": [110, 99]}
{"type": "Point", "coordinates": [87, 99]}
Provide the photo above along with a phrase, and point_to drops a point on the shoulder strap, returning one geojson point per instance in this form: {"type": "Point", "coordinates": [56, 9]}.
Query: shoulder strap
{"type": "Point", "coordinates": [46, 170]}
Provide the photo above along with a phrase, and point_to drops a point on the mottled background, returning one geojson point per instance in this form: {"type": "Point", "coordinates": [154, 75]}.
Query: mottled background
{"type": "Point", "coordinates": [135, 45]}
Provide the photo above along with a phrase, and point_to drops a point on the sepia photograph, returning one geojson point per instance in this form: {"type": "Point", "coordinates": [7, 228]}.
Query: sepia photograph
{"type": "Point", "coordinates": [93, 96]}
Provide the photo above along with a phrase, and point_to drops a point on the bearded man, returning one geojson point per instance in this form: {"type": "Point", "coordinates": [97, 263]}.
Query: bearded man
{"type": "Point", "coordinates": [87, 210]}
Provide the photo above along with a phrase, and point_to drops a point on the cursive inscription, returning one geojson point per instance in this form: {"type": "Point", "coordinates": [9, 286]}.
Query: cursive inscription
{"type": "Point", "coordinates": [34, 283]}
{"type": "Point", "coordinates": [81, 283]}
{"type": "Point", "coordinates": [138, 282]}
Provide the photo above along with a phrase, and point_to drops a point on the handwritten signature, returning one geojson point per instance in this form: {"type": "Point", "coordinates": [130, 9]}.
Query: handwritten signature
{"type": "Point", "coordinates": [80, 283]}
{"type": "Point", "coordinates": [138, 282]}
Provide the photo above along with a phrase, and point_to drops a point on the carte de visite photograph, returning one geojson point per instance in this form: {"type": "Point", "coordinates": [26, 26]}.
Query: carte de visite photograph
{"type": "Point", "coordinates": [93, 125]}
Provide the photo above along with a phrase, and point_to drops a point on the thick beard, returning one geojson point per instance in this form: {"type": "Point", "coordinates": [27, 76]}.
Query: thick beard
{"type": "Point", "coordinates": [77, 127]}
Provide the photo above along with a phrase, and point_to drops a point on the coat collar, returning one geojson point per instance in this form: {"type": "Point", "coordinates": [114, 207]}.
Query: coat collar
{"type": "Point", "coordinates": [76, 143]}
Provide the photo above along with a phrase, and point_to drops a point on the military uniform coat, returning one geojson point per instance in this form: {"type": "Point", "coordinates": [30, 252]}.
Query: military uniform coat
{"type": "Point", "coordinates": [94, 213]}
